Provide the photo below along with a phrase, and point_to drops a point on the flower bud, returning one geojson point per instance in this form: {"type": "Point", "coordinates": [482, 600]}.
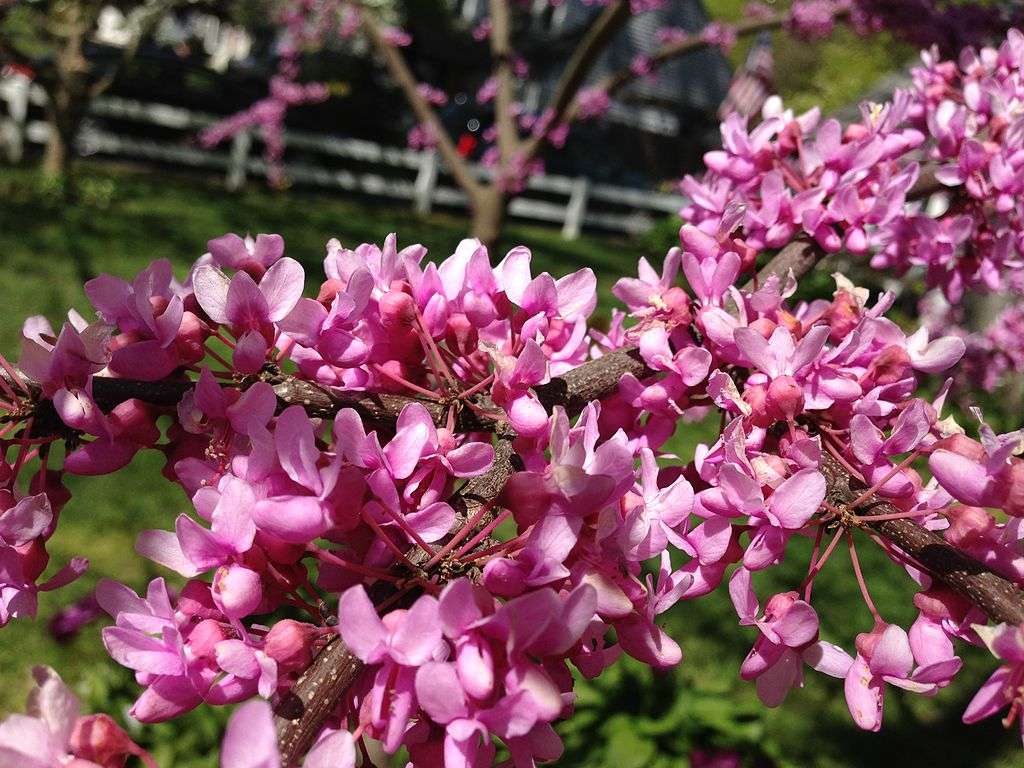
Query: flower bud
{"type": "Point", "coordinates": [159, 304]}
{"type": "Point", "coordinates": [203, 638]}
{"type": "Point", "coordinates": [134, 420]}
{"type": "Point", "coordinates": [939, 603]}
{"type": "Point", "coordinates": [890, 365]}
{"type": "Point", "coordinates": [702, 245]}
{"type": "Point", "coordinates": [1013, 479]}
{"type": "Point", "coordinates": [756, 396]}
{"type": "Point", "coordinates": [195, 600]}
{"type": "Point", "coordinates": [867, 641]}
{"type": "Point", "coordinates": [237, 590]}
{"type": "Point", "coordinates": [962, 445]}
{"type": "Point", "coordinates": [968, 525]}
{"type": "Point", "coordinates": [785, 397]}
{"type": "Point", "coordinates": [192, 335]}
{"type": "Point", "coordinates": [764, 326]}
{"type": "Point", "coordinates": [461, 335]}
{"type": "Point", "coordinates": [397, 310]}
{"type": "Point", "coordinates": [843, 316]}
{"type": "Point", "coordinates": [779, 605]}
{"type": "Point", "coordinates": [330, 288]}
{"type": "Point", "coordinates": [34, 559]}
{"type": "Point", "coordinates": [503, 577]}
{"type": "Point", "coordinates": [290, 643]}
{"type": "Point", "coordinates": [97, 738]}
{"type": "Point", "coordinates": [790, 323]}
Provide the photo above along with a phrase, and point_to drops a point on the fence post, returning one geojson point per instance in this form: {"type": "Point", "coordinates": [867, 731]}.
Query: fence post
{"type": "Point", "coordinates": [17, 112]}
{"type": "Point", "coordinates": [426, 181]}
{"type": "Point", "coordinates": [576, 208]}
{"type": "Point", "coordinates": [238, 160]}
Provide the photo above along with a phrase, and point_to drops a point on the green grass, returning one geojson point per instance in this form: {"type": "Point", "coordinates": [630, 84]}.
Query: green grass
{"type": "Point", "coordinates": [631, 717]}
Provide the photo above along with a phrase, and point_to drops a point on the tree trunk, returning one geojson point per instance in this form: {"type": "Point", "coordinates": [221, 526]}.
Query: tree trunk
{"type": "Point", "coordinates": [65, 110]}
{"type": "Point", "coordinates": [488, 212]}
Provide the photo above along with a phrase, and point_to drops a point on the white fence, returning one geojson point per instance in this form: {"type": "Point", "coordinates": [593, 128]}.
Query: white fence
{"type": "Point", "coordinates": [396, 173]}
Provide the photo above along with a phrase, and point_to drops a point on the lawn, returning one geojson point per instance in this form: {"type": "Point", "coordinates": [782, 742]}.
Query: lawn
{"type": "Point", "coordinates": [632, 718]}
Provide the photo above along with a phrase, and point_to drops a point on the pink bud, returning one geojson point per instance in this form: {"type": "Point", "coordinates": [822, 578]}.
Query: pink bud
{"type": "Point", "coordinates": [1013, 479]}
{"type": "Point", "coordinates": [203, 639]}
{"type": "Point", "coordinates": [702, 245]}
{"type": "Point", "coordinates": [843, 315]}
{"type": "Point", "coordinates": [756, 396]}
{"type": "Point", "coordinates": [504, 578]}
{"type": "Point", "coordinates": [134, 420]}
{"type": "Point", "coordinates": [329, 290]}
{"type": "Point", "coordinates": [195, 600]}
{"type": "Point", "coordinates": [963, 446]}
{"type": "Point", "coordinates": [159, 304]}
{"type": "Point", "coordinates": [97, 738]}
{"type": "Point", "coordinates": [890, 365]}
{"type": "Point", "coordinates": [397, 310]}
{"type": "Point", "coordinates": [968, 525]}
{"type": "Point", "coordinates": [940, 603]}
{"type": "Point", "coordinates": [192, 335]}
{"type": "Point", "coordinates": [290, 643]}
{"type": "Point", "coordinates": [764, 326]}
{"type": "Point", "coordinates": [277, 550]}
{"type": "Point", "coordinates": [122, 340]}
{"type": "Point", "coordinates": [785, 397]}
{"type": "Point", "coordinates": [237, 590]}
{"type": "Point", "coordinates": [779, 605]}
{"type": "Point", "coordinates": [866, 641]}
{"type": "Point", "coordinates": [34, 559]}
{"type": "Point", "coordinates": [461, 334]}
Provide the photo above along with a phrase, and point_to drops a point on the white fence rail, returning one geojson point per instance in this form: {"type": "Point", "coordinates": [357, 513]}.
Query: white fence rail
{"type": "Point", "coordinates": [396, 173]}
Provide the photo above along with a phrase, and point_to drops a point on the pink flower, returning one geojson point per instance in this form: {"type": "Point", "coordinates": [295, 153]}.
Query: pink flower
{"type": "Point", "coordinates": [254, 256]}
{"type": "Point", "coordinates": [788, 509]}
{"type": "Point", "coordinates": [249, 309]}
{"type": "Point", "coordinates": [886, 655]}
{"type": "Point", "coordinates": [53, 735]}
{"type": "Point", "coordinates": [788, 640]}
{"type": "Point", "coordinates": [67, 360]}
{"type": "Point", "coordinates": [149, 314]}
{"type": "Point", "coordinates": [985, 475]}
{"type": "Point", "coordinates": [1003, 687]}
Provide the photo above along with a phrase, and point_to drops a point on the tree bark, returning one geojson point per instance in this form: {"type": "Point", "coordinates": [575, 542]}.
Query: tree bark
{"type": "Point", "coordinates": [489, 207]}
{"type": "Point", "coordinates": [64, 114]}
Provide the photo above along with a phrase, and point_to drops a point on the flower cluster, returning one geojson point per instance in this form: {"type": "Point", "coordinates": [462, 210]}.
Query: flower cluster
{"type": "Point", "coordinates": [853, 188]}
{"type": "Point", "coordinates": [444, 471]}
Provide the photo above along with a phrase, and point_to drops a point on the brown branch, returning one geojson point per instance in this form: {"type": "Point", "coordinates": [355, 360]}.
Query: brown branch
{"type": "Point", "coordinates": [1000, 599]}
{"type": "Point", "coordinates": [406, 82]}
{"type": "Point", "coordinates": [799, 256]}
{"type": "Point", "coordinates": [593, 44]}
{"type": "Point", "coordinates": [563, 105]}
{"type": "Point", "coordinates": [501, 51]}
{"type": "Point", "coordinates": [618, 80]}
{"type": "Point", "coordinates": [302, 712]}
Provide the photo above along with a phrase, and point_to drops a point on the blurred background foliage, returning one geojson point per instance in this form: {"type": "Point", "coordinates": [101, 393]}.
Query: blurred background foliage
{"type": "Point", "coordinates": [121, 218]}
